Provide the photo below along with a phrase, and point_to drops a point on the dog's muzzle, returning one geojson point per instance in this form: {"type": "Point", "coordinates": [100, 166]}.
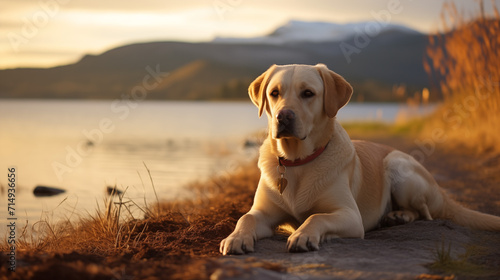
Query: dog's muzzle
{"type": "Point", "coordinates": [286, 123]}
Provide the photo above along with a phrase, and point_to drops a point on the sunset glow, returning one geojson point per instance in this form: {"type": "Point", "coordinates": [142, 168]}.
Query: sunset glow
{"type": "Point", "coordinates": [54, 32]}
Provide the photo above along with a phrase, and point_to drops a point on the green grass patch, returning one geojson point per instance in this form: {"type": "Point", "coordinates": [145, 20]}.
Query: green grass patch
{"type": "Point", "coordinates": [380, 129]}
{"type": "Point", "coordinates": [445, 262]}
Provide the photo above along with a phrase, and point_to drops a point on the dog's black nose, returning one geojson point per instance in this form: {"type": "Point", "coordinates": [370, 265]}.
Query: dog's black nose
{"type": "Point", "coordinates": [286, 123]}
{"type": "Point", "coordinates": [285, 116]}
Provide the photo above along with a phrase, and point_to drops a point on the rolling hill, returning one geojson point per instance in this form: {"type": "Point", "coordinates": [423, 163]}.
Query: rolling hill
{"type": "Point", "coordinates": [223, 68]}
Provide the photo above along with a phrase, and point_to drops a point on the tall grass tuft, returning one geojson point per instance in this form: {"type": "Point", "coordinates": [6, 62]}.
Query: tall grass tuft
{"type": "Point", "coordinates": [464, 61]}
{"type": "Point", "coordinates": [112, 228]}
{"type": "Point", "coordinates": [461, 265]}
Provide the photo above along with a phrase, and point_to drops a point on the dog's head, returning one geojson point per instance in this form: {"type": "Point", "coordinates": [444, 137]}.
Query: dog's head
{"type": "Point", "coordinates": [298, 97]}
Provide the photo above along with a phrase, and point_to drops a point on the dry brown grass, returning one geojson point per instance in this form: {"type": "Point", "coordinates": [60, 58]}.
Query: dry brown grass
{"type": "Point", "coordinates": [106, 230]}
{"type": "Point", "coordinates": [114, 228]}
{"type": "Point", "coordinates": [172, 236]}
{"type": "Point", "coordinates": [464, 60]}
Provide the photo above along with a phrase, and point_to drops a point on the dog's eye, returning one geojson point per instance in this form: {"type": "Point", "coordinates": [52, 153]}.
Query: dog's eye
{"type": "Point", "coordinates": [275, 93]}
{"type": "Point", "coordinates": [307, 94]}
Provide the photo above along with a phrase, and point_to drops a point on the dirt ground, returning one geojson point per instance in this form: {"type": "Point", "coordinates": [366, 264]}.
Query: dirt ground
{"type": "Point", "coordinates": [183, 243]}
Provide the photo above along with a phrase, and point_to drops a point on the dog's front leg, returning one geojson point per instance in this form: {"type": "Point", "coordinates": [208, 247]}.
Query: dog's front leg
{"type": "Point", "coordinates": [249, 228]}
{"type": "Point", "coordinates": [344, 222]}
{"type": "Point", "coordinates": [258, 223]}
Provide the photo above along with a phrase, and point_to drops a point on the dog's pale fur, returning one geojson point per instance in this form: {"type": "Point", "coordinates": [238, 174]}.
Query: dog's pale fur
{"type": "Point", "coordinates": [349, 188]}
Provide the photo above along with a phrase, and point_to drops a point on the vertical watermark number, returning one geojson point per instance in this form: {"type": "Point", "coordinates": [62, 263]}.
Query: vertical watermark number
{"type": "Point", "coordinates": [11, 216]}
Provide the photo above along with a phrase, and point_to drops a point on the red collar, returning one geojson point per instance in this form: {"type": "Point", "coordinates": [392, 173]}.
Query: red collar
{"type": "Point", "coordinates": [287, 163]}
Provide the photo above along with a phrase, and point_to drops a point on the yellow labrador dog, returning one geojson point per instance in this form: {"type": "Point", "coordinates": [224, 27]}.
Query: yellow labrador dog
{"type": "Point", "coordinates": [322, 183]}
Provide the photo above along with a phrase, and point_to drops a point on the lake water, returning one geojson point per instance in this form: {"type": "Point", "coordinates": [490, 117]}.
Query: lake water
{"type": "Point", "coordinates": [84, 146]}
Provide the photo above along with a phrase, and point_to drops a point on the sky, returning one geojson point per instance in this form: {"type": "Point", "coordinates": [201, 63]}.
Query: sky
{"type": "Point", "coordinates": [47, 33]}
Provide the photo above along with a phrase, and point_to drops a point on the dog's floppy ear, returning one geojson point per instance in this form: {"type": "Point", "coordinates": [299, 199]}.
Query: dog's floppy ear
{"type": "Point", "coordinates": [337, 90]}
{"type": "Point", "coordinates": [257, 89]}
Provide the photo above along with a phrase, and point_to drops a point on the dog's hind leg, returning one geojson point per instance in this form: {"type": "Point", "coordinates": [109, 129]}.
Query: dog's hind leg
{"type": "Point", "coordinates": [424, 211]}
{"type": "Point", "coordinates": [412, 189]}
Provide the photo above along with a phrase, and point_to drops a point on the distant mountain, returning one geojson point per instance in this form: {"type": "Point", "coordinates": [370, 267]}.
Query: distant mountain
{"type": "Point", "coordinates": [303, 31]}
{"type": "Point", "coordinates": [223, 70]}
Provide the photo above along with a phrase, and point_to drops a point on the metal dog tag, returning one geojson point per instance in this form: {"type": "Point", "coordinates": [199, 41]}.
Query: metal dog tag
{"type": "Point", "coordinates": [281, 183]}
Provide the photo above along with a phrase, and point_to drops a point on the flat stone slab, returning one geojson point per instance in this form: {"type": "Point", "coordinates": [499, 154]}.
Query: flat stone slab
{"type": "Point", "coordinates": [400, 252]}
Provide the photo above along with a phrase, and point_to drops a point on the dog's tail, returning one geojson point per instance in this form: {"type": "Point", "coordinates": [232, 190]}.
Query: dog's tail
{"type": "Point", "coordinates": [468, 218]}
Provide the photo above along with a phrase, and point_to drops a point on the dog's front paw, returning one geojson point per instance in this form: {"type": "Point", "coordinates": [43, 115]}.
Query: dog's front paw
{"type": "Point", "coordinates": [302, 242]}
{"type": "Point", "coordinates": [237, 244]}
